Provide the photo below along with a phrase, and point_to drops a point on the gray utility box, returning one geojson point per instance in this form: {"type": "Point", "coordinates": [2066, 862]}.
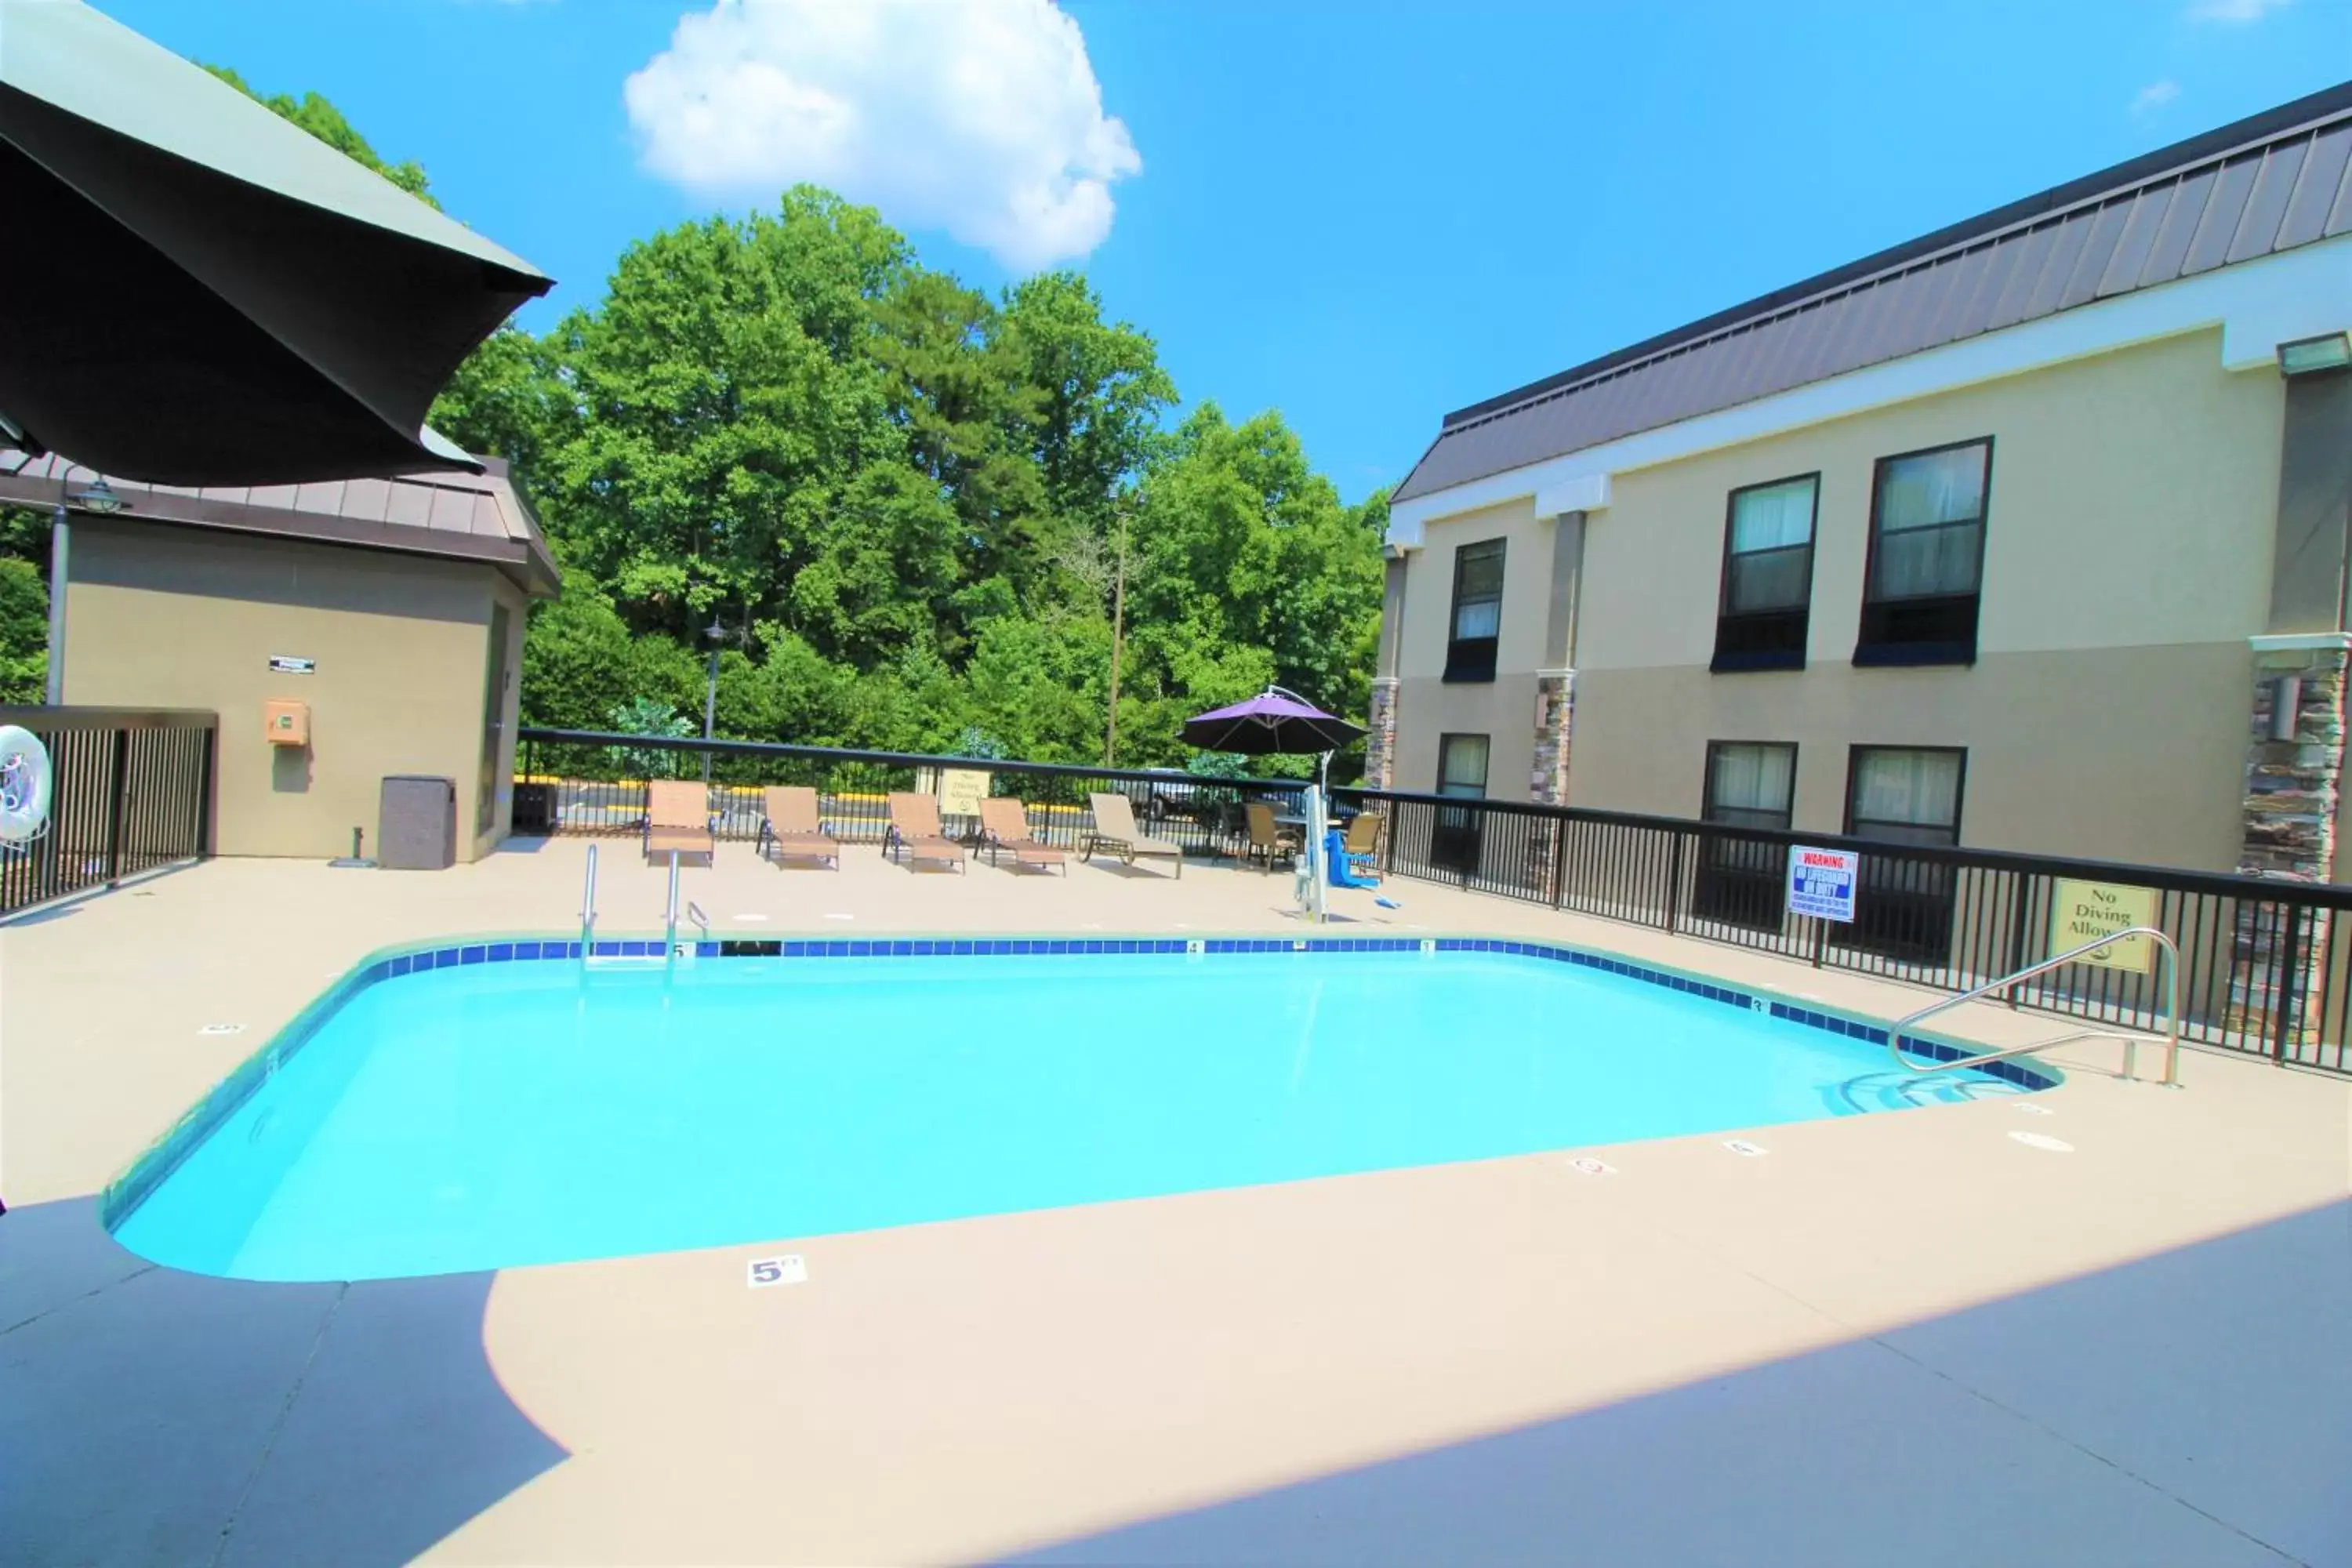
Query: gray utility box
{"type": "Point", "coordinates": [417, 824]}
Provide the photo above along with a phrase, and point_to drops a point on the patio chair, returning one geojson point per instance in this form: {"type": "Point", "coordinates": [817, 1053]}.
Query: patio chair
{"type": "Point", "coordinates": [1268, 840]}
{"type": "Point", "coordinates": [792, 828]}
{"type": "Point", "coordinates": [677, 818]}
{"type": "Point", "coordinates": [1362, 846]}
{"type": "Point", "coordinates": [915, 831]}
{"type": "Point", "coordinates": [1115, 833]}
{"type": "Point", "coordinates": [1004, 829]}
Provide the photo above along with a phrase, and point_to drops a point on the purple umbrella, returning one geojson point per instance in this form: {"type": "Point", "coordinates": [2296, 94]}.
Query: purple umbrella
{"type": "Point", "coordinates": [1272, 721]}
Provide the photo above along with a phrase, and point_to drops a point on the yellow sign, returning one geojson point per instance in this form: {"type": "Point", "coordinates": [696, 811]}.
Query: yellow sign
{"type": "Point", "coordinates": [2085, 911]}
{"type": "Point", "coordinates": [961, 791]}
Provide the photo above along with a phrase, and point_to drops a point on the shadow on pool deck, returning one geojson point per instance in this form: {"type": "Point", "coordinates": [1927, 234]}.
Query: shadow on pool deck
{"type": "Point", "coordinates": [152, 1416]}
{"type": "Point", "coordinates": [2189, 1408]}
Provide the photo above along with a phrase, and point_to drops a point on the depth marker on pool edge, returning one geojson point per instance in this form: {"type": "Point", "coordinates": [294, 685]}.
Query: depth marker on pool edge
{"type": "Point", "coordinates": [1742, 1146]}
{"type": "Point", "coordinates": [791, 1269]}
{"type": "Point", "coordinates": [1592, 1167]}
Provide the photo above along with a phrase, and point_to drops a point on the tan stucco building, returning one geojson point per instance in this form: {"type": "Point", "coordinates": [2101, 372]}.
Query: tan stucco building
{"type": "Point", "coordinates": [2004, 537]}
{"type": "Point", "coordinates": [389, 613]}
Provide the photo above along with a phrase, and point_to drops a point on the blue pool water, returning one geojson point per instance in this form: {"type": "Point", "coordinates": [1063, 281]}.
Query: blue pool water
{"type": "Point", "coordinates": [494, 1115]}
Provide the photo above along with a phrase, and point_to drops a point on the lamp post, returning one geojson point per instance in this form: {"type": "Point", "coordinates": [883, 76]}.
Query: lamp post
{"type": "Point", "coordinates": [99, 497]}
{"type": "Point", "coordinates": [716, 633]}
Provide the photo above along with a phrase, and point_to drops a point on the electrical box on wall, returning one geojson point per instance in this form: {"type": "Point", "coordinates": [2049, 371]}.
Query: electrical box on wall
{"type": "Point", "coordinates": [287, 723]}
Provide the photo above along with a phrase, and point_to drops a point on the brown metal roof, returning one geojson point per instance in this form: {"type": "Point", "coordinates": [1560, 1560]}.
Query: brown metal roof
{"type": "Point", "coordinates": [466, 517]}
{"type": "Point", "coordinates": [2267, 184]}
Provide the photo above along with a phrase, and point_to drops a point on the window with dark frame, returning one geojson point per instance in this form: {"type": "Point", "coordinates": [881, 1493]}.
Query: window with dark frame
{"type": "Point", "coordinates": [1462, 773]}
{"type": "Point", "coordinates": [1462, 766]}
{"type": "Point", "coordinates": [1741, 880]}
{"type": "Point", "coordinates": [1924, 577]}
{"type": "Point", "coordinates": [1904, 795]}
{"type": "Point", "coordinates": [1768, 575]}
{"type": "Point", "coordinates": [1750, 783]}
{"type": "Point", "coordinates": [1476, 622]}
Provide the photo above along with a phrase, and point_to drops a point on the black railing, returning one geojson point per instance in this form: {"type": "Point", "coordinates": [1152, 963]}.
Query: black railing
{"type": "Point", "coordinates": [575, 782]}
{"type": "Point", "coordinates": [130, 791]}
{"type": "Point", "coordinates": [2263, 963]}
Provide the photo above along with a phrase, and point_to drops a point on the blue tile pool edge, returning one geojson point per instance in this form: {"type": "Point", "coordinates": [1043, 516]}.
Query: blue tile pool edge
{"type": "Point", "coordinates": [155, 1164]}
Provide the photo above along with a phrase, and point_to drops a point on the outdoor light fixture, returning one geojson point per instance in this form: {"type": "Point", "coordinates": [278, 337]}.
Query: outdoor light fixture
{"type": "Point", "coordinates": [2307, 356]}
{"type": "Point", "coordinates": [2286, 704]}
{"type": "Point", "coordinates": [101, 499]}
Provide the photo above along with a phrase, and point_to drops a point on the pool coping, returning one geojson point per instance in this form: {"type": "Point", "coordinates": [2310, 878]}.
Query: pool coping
{"type": "Point", "coordinates": [168, 1151]}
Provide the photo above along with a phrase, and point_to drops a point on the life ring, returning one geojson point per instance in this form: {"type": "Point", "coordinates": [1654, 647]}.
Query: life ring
{"type": "Point", "coordinates": [24, 786]}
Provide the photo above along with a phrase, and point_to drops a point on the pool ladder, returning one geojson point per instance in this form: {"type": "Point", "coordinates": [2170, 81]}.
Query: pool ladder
{"type": "Point", "coordinates": [588, 909]}
{"type": "Point", "coordinates": [2130, 1041]}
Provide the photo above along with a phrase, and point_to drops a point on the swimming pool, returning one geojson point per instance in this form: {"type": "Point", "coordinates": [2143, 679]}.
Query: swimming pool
{"type": "Point", "coordinates": [453, 1111]}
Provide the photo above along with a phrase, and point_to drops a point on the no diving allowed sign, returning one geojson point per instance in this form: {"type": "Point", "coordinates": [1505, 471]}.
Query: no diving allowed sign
{"type": "Point", "coordinates": [1822, 881]}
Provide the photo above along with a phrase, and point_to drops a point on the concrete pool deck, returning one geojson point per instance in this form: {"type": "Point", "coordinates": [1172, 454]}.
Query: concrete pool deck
{"type": "Point", "coordinates": [1908, 1337]}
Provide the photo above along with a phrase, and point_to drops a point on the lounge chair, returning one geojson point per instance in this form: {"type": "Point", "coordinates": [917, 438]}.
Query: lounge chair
{"type": "Point", "coordinates": [677, 819]}
{"type": "Point", "coordinates": [1268, 840]}
{"type": "Point", "coordinates": [915, 830]}
{"type": "Point", "coordinates": [792, 828]}
{"type": "Point", "coordinates": [1115, 833]}
{"type": "Point", "coordinates": [1004, 829]}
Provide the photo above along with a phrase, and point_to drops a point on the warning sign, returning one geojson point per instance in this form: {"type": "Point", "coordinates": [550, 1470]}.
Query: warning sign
{"type": "Point", "coordinates": [1821, 882]}
{"type": "Point", "coordinates": [2085, 912]}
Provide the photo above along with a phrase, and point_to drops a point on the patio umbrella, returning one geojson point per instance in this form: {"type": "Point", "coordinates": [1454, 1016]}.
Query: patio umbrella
{"type": "Point", "coordinates": [1279, 721]}
{"type": "Point", "coordinates": [1275, 721]}
{"type": "Point", "coordinates": [196, 293]}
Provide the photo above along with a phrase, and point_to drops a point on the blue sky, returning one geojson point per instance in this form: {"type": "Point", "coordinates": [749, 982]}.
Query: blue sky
{"type": "Point", "coordinates": [1363, 214]}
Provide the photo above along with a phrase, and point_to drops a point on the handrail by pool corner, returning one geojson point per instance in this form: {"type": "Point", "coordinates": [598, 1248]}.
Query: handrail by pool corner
{"type": "Point", "coordinates": [2131, 1042]}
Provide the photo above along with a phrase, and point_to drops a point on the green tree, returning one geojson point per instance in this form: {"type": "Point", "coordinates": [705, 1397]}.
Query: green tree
{"type": "Point", "coordinates": [909, 499]}
{"type": "Point", "coordinates": [24, 632]}
{"type": "Point", "coordinates": [324, 121]}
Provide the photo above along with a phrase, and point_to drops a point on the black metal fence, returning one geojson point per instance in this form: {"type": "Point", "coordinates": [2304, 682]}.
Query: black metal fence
{"type": "Point", "coordinates": [2267, 966]}
{"type": "Point", "coordinates": [575, 782]}
{"type": "Point", "coordinates": [130, 791]}
{"type": "Point", "coordinates": [2263, 963]}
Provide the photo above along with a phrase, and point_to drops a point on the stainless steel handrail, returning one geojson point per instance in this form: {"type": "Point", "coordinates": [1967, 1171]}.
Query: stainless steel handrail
{"type": "Point", "coordinates": [588, 909]}
{"type": "Point", "coordinates": [670, 920]}
{"type": "Point", "coordinates": [2130, 1042]}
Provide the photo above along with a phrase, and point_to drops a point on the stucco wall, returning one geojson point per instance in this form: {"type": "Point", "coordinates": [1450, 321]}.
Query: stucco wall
{"type": "Point", "coordinates": [2133, 500]}
{"type": "Point", "coordinates": [2127, 559]}
{"type": "Point", "coordinates": [1503, 710]}
{"type": "Point", "coordinates": [161, 617]}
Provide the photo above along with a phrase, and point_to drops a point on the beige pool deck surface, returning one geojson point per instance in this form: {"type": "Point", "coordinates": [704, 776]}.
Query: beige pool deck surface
{"type": "Point", "coordinates": [1901, 1337]}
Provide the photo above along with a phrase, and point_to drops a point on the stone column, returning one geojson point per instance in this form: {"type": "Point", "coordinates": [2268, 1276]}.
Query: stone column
{"type": "Point", "coordinates": [1379, 746]}
{"type": "Point", "coordinates": [1381, 717]}
{"type": "Point", "coordinates": [2293, 788]}
{"type": "Point", "coordinates": [1554, 716]}
{"type": "Point", "coordinates": [1556, 681]}
{"type": "Point", "coordinates": [2294, 762]}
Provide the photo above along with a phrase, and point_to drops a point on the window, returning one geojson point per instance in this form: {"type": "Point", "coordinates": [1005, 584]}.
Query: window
{"type": "Point", "coordinates": [1927, 557]}
{"type": "Point", "coordinates": [1740, 880]}
{"type": "Point", "coordinates": [1461, 772]}
{"type": "Point", "coordinates": [1905, 796]}
{"type": "Point", "coordinates": [1478, 614]}
{"type": "Point", "coordinates": [1903, 908]}
{"type": "Point", "coordinates": [1767, 575]}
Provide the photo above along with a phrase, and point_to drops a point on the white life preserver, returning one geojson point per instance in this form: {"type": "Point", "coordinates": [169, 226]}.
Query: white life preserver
{"type": "Point", "coordinates": [24, 786]}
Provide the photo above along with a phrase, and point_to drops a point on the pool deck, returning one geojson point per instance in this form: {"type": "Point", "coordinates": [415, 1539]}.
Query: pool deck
{"type": "Point", "coordinates": [1895, 1338]}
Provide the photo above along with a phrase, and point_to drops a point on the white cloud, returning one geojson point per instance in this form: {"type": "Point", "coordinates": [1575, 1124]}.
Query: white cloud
{"type": "Point", "coordinates": [2236, 12]}
{"type": "Point", "coordinates": [980, 117]}
{"type": "Point", "coordinates": [2153, 97]}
